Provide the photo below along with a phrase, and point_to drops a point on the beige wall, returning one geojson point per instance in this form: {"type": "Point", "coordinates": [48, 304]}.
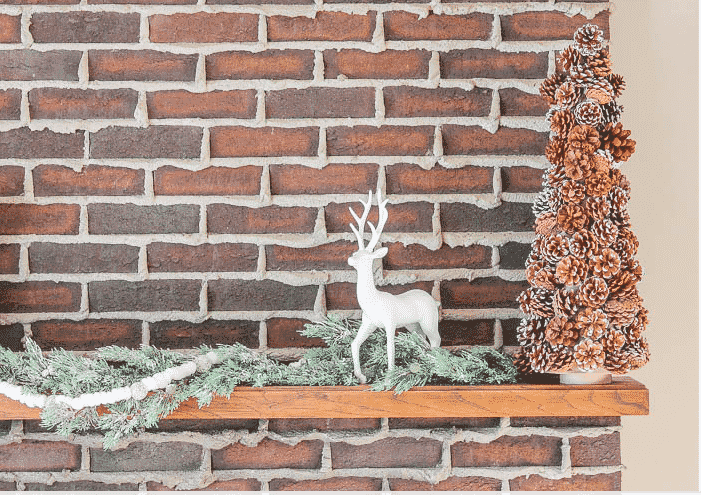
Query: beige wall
{"type": "Point", "coordinates": [654, 45]}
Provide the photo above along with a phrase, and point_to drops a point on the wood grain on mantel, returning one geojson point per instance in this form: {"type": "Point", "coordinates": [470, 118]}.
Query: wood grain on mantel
{"type": "Point", "coordinates": [624, 397]}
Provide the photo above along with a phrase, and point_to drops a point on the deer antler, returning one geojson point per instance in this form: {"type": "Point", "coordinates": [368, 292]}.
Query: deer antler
{"type": "Point", "coordinates": [376, 232]}
{"type": "Point", "coordinates": [361, 220]}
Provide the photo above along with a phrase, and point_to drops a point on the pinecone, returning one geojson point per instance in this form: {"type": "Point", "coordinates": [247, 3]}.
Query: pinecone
{"type": "Point", "coordinates": [556, 175]}
{"type": "Point", "coordinates": [537, 301]}
{"type": "Point", "coordinates": [567, 95]}
{"type": "Point", "coordinates": [550, 85]}
{"type": "Point", "coordinates": [560, 331]}
{"type": "Point", "coordinates": [571, 218]}
{"type": "Point", "coordinates": [598, 95]}
{"type": "Point", "coordinates": [584, 138]}
{"type": "Point", "coordinates": [589, 355]}
{"type": "Point", "coordinates": [617, 362]}
{"type": "Point", "coordinates": [554, 198]}
{"type": "Point", "coordinates": [588, 113]}
{"type": "Point", "coordinates": [541, 206]}
{"type": "Point", "coordinates": [522, 363]}
{"type": "Point", "coordinates": [602, 164]}
{"type": "Point", "coordinates": [621, 312]}
{"type": "Point", "coordinates": [583, 245]}
{"type": "Point", "coordinates": [531, 331]}
{"type": "Point", "coordinates": [565, 303]}
{"type": "Point", "coordinates": [598, 184]}
{"type": "Point", "coordinates": [614, 341]}
{"type": "Point", "coordinates": [561, 122]}
{"type": "Point", "coordinates": [629, 236]}
{"type": "Point", "coordinates": [570, 270]}
{"type": "Point", "coordinates": [555, 247]}
{"type": "Point", "coordinates": [582, 76]}
{"type": "Point", "coordinates": [578, 164]}
{"type": "Point", "coordinates": [592, 323]}
{"type": "Point", "coordinates": [546, 225]}
{"type": "Point", "coordinates": [600, 63]}
{"type": "Point", "coordinates": [597, 208]}
{"type": "Point", "coordinates": [588, 39]}
{"type": "Point", "coordinates": [605, 231]}
{"type": "Point", "coordinates": [560, 359]}
{"type": "Point", "coordinates": [617, 84]}
{"type": "Point", "coordinates": [615, 140]}
{"type": "Point", "coordinates": [610, 112]}
{"type": "Point", "coordinates": [593, 292]}
{"type": "Point", "coordinates": [539, 356]}
{"type": "Point", "coordinates": [638, 354]}
{"type": "Point", "coordinates": [568, 58]}
{"type": "Point", "coordinates": [534, 256]}
{"type": "Point", "coordinates": [620, 180]}
{"type": "Point", "coordinates": [606, 264]}
{"type": "Point", "coordinates": [572, 192]}
{"type": "Point", "coordinates": [622, 285]}
{"type": "Point", "coordinates": [555, 150]}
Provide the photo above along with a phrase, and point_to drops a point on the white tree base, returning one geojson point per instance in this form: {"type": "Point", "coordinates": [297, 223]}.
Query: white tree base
{"type": "Point", "coordinates": [585, 378]}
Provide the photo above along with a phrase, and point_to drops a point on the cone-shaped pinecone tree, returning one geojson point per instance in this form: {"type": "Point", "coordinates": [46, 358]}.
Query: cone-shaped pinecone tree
{"type": "Point", "coordinates": [583, 307]}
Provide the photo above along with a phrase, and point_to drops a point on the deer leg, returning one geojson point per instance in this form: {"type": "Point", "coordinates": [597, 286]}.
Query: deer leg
{"type": "Point", "coordinates": [366, 328]}
{"type": "Point", "coordinates": [390, 346]}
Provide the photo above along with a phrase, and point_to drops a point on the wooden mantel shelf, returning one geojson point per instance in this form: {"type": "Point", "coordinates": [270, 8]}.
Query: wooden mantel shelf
{"type": "Point", "coordinates": [624, 397]}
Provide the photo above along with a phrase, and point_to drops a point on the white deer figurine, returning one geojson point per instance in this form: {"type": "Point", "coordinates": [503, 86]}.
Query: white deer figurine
{"type": "Point", "coordinates": [414, 309]}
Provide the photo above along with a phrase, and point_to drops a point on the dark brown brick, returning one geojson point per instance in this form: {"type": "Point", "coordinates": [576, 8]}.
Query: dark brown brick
{"type": "Point", "coordinates": [91, 180]}
{"type": "Point", "coordinates": [38, 2]}
{"type": "Point", "coordinates": [470, 332]}
{"type": "Point", "coordinates": [25, 143]}
{"type": "Point", "coordinates": [211, 181]}
{"type": "Point", "coordinates": [149, 295]}
{"type": "Point", "coordinates": [416, 256]}
{"type": "Point", "coordinates": [342, 295]}
{"type": "Point", "coordinates": [579, 482]}
{"type": "Point", "coordinates": [206, 425]}
{"type": "Point", "coordinates": [516, 102]}
{"type": "Point", "coordinates": [229, 219]}
{"type": "Point", "coordinates": [143, 456]}
{"type": "Point", "coordinates": [86, 334]}
{"type": "Point", "coordinates": [604, 450]}
{"type": "Point", "coordinates": [10, 28]}
{"type": "Point", "coordinates": [328, 484]}
{"type": "Point", "coordinates": [58, 103]}
{"type": "Point", "coordinates": [82, 485]}
{"type": "Point", "coordinates": [521, 179]}
{"type": "Point", "coordinates": [20, 219]}
{"type": "Point", "coordinates": [442, 423]}
{"type": "Point", "coordinates": [388, 64]}
{"type": "Point", "coordinates": [324, 26]}
{"type": "Point", "coordinates": [11, 180]}
{"type": "Point", "coordinates": [10, 101]}
{"type": "Point", "coordinates": [8, 486]}
{"type": "Point", "coordinates": [404, 101]}
{"type": "Point", "coordinates": [507, 217]}
{"type": "Point", "coordinates": [509, 330]}
{"type": "Point", "coordinates": [378, 1]}
{"type": "Point", "coordinates": [38, 455]}
{"type": "Point", "coordinates": [401, 25]}
{"type": "Point", "coordinates": [181, 104]}
{"type": "Point", "coordinates": [134, 219]}
{"type": "Point", "coordinates": [490, 292]}
{"type": "Point", "coordinates": [407, 178]}
{"type": "Point", "coordinates": [203, 27]}
{"type": "Point", "coordinates": [235, 485]}
{"type": "Point", "coordinates": [548, 26]}
{"type": "Point", "coordinates": [140, 65]}
{"type": "Point", "coordinates": [145, 2]}
{"type": "Point", "coordinates": [156, 141]}
{"type": "Point", "coordinates": [454, 483]}
{"type": "Point", "coordinates": [512, 255]}
{"type": "Point", "coordinates": [404, 217]}
{"type": "Point", "coordinates": [30, 65]}
{"type": "Point", "coordinates": [85, 27]}
{"type": "Point", "coordinates": [222, 257]}
{"type": "Point", "coordinates": [11, 338]}
{"type": "Point", "coordinates": [565, 421]}
{"type": "Point", "coordinates": [387, 453]}
{"type": "Point", "coordinates": [186, 335]}
{"type": "Point", "coordinates": [473, 140]}
{"type": "Point", "coordinates": [284, 332]}
{"type": "Point", "coordinates": [334, 178]}
{"type": "Point", "coordinates": [493, 64]}
{"type": "Point", "coordinates": [49, 257]}
{"type": "Point", "coordinates": [263, 141]}
{"type": "Point", "coordinates": [331, 256]}
{"type": "Point", "coordinates": [320, 103]}
{"type": "Point", "coordinates": [260, 2]}
{"type": "Point", "coordinates": [270, 64]}
{"type": "Point", "coordinates": [294, 426]}
{"type": "Point", "coordinates": [9, 258]}
{"type": "Point", "coordinates": [533, 450]}
{"type": "Point", "coordinates": [263, 295]}
{"type": "Point", "coordinates": [269, 454]}
{"type": "Point", "coordinates": [381, 141]}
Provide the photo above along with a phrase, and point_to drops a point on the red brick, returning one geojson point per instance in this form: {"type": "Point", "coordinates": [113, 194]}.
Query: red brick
{"type": "Point", "coordinates": [263, 295]}
{"type": "Point", "coordinates": [57, 103]}
{"type": "Point", "coordinates": [342, 295]}
{"type": "Point", "coordinates": [85, 27]}
{"type": "Point", "coordinates": [11, 338]}
{"type": "Point", "coordinates": [379, 1]}
{"type": "Point", "coordinates": [9, 486]}
{"type": "Point", "coordinates": [38, 2]}
{"type": "Point", "coordinates": [181, 104]}
{"type": "Point", "coordinates": [206, 425]}
{"type": "Point", "coordinates": [140, 65]}
{"type": "Point", "coordinates": [610, 482]}
{"type": "Point", "coordinates": [211, 181]}
{"type": "Point", "coordinates": [10, 29]}
{"type": "Point", "coordinates": [229, 219]}
{"type": "Point", "coordinates": [404, 101]}
{"type": "Point", "coordinates": [20, 219]}
{"type": "Point", "coordinates": [39, 297]}
{"type": "Point", "coordinates": [328, 484]}
{"type": "Point", "coordinates": [521, 179]}
{"type": "Point", "coordinates": [509, 330]}
{"type": "Point", "coordinates": [519, 103]}
{"type": "Point", "coordinates": [416, 257]}
{"type": "Point", "coordinates": [10, 101]}
{"type": "Point", "coordinates": [294, 426]}
{"type": "Point", "coordinates": [134, 219]}
{"type": "Point", "coordinates": [454, 483]}
{"type": "Point", "coordinates": [548, 26]}
{"type": "Point", "coordinates": [203, 27]}
{"type": "Point", "coordinates": [81, 485]}
{"type": "Point", "coordinates": [403, 217]}
{"type": "Point", "coordinates": [387, 453]}
{"type": "Point", "coordinates": [334, 178]}
{"type": "Point", "coordinates": [442, 423]}
{"type": "Point", "coordinates": [223, 257]}
{"type": "Point", "coordinates": [156, 141]}
{"type": "Point", "coordinates": [236, 485]}
{"type": "Point", "coordinates": [186, 335]}
{"type": "Point", "coordinates": [470, 332]}
{"type": "Point", "coordinates": [512, 255]}
{"type": "Point", "coordinates": [490, 292]}
{"type": "Point", "coordinates": [30, 65]}
{"type": "Point", "coordinates": [260, 2]}
{"type": "Point", "coordinates": [408, 178]}
{"type": "Point", "coordinates": [506, 451]}
{"type": "Point", "coordinates": [145, 2]}
{"type": "Point", "coordinates": [25, 143]}
{"type": "Point", "coordinates": [507, 217]}
{"type": "Point", "coordinates": [269, 454]}
{"type": "Point", "coordinates": [388, 64]}
{"type": "Point", "coordinates": [493, 64]}
{"type": "Point", "coordinates": [9, 258]}
{"type": "Point", "coordinates": [604, 450]}
{"type": "Point", "coordinates": [91, 180]}
{"type": "Point", "coordinates": [38, 455]}
{"type": "Point", "coordinates": [48, 257]}
{"type": "Point", "coordinates": [263, 141]}
{"type": "Point", "coordinates": [401, 25]}
{"type": "Point", "coordinates": [565, 421]}
{"type": "Point", "coordinates": [143, 456]}
{"type": "Point", "coordinates": [270, 64]}
{"type": "Point", "coordinates": [320, 103]}
{"type": "Point", "coordinates": [331, 256]}
{"type": "Point", "coordinates": [474, 140]}
{"type": "Point", "coordinates": [11, 181]}
{"type": "Point", "coordinates": [324, 26]}
{"type": "Point", "coordinates": [149, 295]}
{"type": "Point", "coordinates": [381, 141]}
{"type": "Point", "coordinates": [86, 334]}
{"type": "Point", "coordinates": [284, 332]}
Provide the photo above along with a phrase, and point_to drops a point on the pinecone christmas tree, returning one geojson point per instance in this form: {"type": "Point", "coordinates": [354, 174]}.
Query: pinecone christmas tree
{"type": "Point", "coordinates": [584, 311]}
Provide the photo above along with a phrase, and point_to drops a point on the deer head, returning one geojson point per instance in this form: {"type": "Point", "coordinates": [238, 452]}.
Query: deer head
{"type": "Point", "coordinates": [365, 254]}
